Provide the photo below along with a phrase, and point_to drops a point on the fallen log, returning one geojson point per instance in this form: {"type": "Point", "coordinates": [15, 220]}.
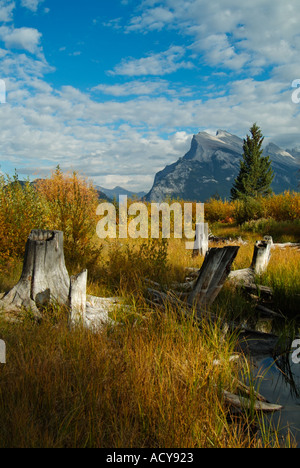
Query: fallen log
{"type": "Point", "coordinates": [260, 290]}
{"type": "Point", "coordinates": [243, 403]}
{"type": "Point", "coordinates": [266, 312]}
{"type": "Point", "coordinates": [98, 309]}
{"type": "Point", "coordinates": [77, 299]}
{"type": "Point", "coordinates": [246, 276]}
{"type": "Point", "coordinates": [260, 260]}
{"type": "Point", "coordinates": [287, 244]}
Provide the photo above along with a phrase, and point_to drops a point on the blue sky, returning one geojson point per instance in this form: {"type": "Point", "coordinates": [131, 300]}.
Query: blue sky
{"type": "Point", "coordinates": [116, 89]}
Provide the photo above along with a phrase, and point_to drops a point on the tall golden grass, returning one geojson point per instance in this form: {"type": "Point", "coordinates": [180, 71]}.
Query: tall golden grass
{"type": "Point", "coordinates": [151, 383]}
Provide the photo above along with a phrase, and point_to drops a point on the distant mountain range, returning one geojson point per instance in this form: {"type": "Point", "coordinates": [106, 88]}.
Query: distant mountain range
{"type": "Point", "coordinates": [117, 191]}
{"type": "Point", "coordinates": [106, 194]}
{"type": "Point", "coordinates": [209, 169]}
{"type": "Point", "coordinates": [211, 165]}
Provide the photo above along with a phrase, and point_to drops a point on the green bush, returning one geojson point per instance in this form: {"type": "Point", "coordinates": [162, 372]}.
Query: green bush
{"type": "Point", "coordinates": [249, 209]}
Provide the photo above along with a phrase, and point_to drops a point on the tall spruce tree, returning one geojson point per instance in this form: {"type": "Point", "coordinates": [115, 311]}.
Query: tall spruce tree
{"type": "Point", "coordinates": [256, 174]}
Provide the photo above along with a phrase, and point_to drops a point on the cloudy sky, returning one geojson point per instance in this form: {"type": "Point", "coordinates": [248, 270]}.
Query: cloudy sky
{"type": "Point", "coordinates": [116, 88]}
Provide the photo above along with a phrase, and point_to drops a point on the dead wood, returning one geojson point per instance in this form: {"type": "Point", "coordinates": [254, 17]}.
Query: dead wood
{"type": "Point", "coordinates": [203, 290]}
{"type": "Point", "coordinates": [45, 280]}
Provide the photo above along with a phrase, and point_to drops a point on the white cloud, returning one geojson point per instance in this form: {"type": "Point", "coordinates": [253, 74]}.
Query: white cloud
{"type": "Point", "coordinates": [218, 51]}
{"type": "Point", "coordinates": [155, 19]}
{"type": "Point", "coordinates": [21, 38]}
{"type": "Point", "coordinates": [126, 143]}
{"type": "Point", "coordinates": [6, 10]}
{"type": "Point", "coordinates": [158, 64]}
{"type": "Point", "coordinates": [136, 88]}
{"type": "Point", "coordinates": [229, 33]}
{"type": "Point", "coordinates": [31, 4]}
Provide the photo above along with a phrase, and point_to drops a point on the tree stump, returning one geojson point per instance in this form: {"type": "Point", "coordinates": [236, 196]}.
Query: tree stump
{"type": "Point", "coordinates": [44, 278]}
{"type": "Point", "coordinates": [212, 276]}
{"type": "Point", "coordinates": [77, 299]}
{"type": "Point", "coordinates": [262, 255]}
{"type": "Point", "coordinates": [260, 260]}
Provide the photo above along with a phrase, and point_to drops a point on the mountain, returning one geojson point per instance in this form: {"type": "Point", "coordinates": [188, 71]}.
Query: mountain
{"type": "Point", "coordinates": [101, 195]}
{"type": "Point", "coordinates": [117, 191]}
{"type": "Point", "coordinates": [212, 164]}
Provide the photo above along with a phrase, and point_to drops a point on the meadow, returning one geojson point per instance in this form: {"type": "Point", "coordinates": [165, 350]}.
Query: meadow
{"type": "Point", "coordinates": [152, 380]}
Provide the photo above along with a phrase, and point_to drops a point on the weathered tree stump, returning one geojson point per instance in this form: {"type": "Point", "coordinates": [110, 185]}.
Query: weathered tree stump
{"type": "Point", "coordinates": [205, 288]}
{"type": "Point", "coordinates": [212, 275]}
{"type": "Point", "coordinates": [44, 278]}
{"type": "Point", "coordinates": [262, 255]}
{"type": "Point", "coordinates": [260, 261]}
{"type": "Point", "coordinates": [77, 298]}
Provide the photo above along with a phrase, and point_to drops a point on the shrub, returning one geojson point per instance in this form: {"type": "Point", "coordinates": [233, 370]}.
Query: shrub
{"type": "Point", "coordinates": [281, 231]}
{"type": "Point", "coordinates": [218, 210]}
{"type": "Point", "coordinates": [21, 210]}
{"type": "Point", "coordinates": [127, 264]}
{"type": "Point", "coordinates": [70, 205]}
{"type": "Point", "coordinates": [249, 209]}
{"type": "Point", "coordinates": [284, 207]}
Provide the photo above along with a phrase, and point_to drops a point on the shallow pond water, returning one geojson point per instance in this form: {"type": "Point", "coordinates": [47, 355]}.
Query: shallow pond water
{"type": "Point", "coordinates": [279, 382]}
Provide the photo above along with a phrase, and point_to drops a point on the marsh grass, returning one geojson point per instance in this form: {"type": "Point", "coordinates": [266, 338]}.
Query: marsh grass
{"type": "Point", "coordinates": [283, 275]}
{"type": "Point", "coordinates": [256, 229]}
{"type": "Point", "coordinates": [148, 384]}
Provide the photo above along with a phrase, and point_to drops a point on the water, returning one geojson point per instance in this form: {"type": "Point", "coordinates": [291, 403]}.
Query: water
{"type": "Point", "coordinates": [279, 382]}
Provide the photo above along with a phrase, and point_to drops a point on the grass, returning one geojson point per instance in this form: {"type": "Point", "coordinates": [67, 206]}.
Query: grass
{"type": "Point", "coordinates": [153, 385]}
{"type": "Point", "coordinates": [146, 386]}
{"type": "Point", "coordinates": [149, 382]}
{"type": "Point", "coordinates": [281, 231]}
{"type": "Point", "coordinates": [283, 276]}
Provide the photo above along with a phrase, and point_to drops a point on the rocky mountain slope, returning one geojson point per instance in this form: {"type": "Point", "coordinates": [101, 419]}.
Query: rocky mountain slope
{"type": "Point", "coordinates": [211, 165]}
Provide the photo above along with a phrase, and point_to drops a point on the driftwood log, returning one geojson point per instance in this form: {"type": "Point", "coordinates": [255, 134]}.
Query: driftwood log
{"type": "Point", "coordinates": [45, 280]}
{"type": "Point", "coordinates": [242, 403]}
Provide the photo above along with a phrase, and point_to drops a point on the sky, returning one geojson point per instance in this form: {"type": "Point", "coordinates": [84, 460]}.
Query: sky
{"type": "Point", "coordinates": [115, 89]}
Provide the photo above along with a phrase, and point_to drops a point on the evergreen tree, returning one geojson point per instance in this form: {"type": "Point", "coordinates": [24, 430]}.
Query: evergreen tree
{"type": "Point", "coordinates": [256, 174]}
